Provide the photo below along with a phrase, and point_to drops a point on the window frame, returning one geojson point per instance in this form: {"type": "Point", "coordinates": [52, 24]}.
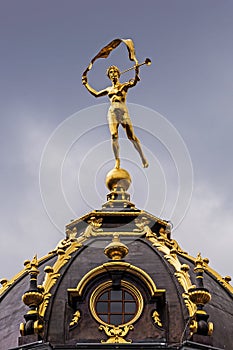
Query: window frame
{"type": "Point", "coordinates": [126, 286]}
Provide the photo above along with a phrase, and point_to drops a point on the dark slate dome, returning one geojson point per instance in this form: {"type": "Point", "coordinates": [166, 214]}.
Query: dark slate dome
{"type": "Point", "coordinates": [118, 280]}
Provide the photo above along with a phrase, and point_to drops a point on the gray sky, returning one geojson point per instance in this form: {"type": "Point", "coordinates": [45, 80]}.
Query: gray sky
{"type": "Point", "coordinates": [46, 45]}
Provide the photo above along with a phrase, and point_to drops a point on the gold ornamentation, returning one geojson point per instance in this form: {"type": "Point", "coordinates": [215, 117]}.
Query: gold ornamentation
{"type": "Point", "coordinates": [95, 223]}
{"type": "Point", "coordinates": [141, 222]}
{"type": "Point", "coordinates": [199, 297]}
{"type": "Point", "coordinates": [116, 334]}
{"type": "Point", "coordinates": [75, 319]}
{"type": "Point", "coordinates": [8, 283]}
{"type": "Point", "coordinates": [118, 179]}
{"type": "Point", "coordinates": [38, 326]}
{"type": "Point", "coordinates": [4, 282]}
{"type": "Point", "coordinates": [181, 270]}
{"type": "Point", "coordinates": [32, 298]}
{"type": "Point", "coordinates": [102, 287]}
{"type": "Point", "coordinates": [184, 280]}
{"type": "Point", "coordinates": [156, 318]}
{"type": "Point", "coordinates": [22, 329]}
{"type": "Point", "coordinates": [189, 304]}
{"type": "Point", "coordinates": [183, 277]}
{"type": "Point", "coordinates": [222, 281]}
{"type": "Point", "coordinates": [163, 233]}
{"type": "Point", "coordinates": [116, 250]}
{"type": "Point", "coordinates": [71, 234]}
{"type": "Point", "coordinates": [115, 266]}
{"type": "Point", "coordinates": [214, 273]}
{"type": "Point", "coordinates": [199, 262]}
{"type": "Point", "coordinates": [193, 326]}
{"type": "Point", "coordinates": [106, 213]}
{"type": "Point", "coordinates": [93, 228]}
{"type": "Point", "coordinates": [210, 328]}
{"type": "Point", "coordinates": [227, 279]}
{"type": "Point", "coordinates": [52, 273]}
{"type": "Point", "coordinates": [50, 280]}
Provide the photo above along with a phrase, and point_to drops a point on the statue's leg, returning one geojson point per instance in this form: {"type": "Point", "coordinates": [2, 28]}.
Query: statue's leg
{"type": "Point", "coordinates": [115, 143]}
{"type": "Point", "coordinates": [133, 138]}
{"type": "Point", "coordinates": [113, 127]}
{"type": "Point", "coordinates": [115, 147]}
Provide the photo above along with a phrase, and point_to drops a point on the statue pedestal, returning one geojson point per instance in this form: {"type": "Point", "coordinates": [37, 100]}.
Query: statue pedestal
{"type": "Point", "coordinates": [118, 182]}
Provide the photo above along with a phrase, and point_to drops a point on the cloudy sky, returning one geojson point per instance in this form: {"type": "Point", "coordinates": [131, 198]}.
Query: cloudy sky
{"type": "Point", "coordinates": [186, 94]}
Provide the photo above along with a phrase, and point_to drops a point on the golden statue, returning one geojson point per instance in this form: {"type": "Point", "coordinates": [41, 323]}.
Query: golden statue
{"type": "Point", "coordinates": [118, 112]}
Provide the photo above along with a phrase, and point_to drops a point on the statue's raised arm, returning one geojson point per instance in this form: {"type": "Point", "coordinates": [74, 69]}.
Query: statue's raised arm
{"type": "Point", "coordinates": [92, 90]}
{"type": "Point", "coordinates": [118, 112]}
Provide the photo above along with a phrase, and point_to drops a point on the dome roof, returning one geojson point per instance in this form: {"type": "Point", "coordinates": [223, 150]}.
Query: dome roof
{"type": "Point", "coordinates": [143, 288]}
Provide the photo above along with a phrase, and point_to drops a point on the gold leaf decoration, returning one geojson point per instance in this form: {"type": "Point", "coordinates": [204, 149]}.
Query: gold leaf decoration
{"type": "Point", "coordinates": [116, 334]}
{"type": "Point", "coordinates": [156, 318]}
{"type": "Point", "coordinates": [75, 319]}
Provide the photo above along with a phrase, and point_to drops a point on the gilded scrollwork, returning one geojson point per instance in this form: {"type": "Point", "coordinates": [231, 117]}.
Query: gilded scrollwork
{"type": "Point", "coordinates": [116, 334]}
{"type": "Point", "coordinates": [190, 306]}
{"type": "Point", "coordinates": [181, 270]}
{"type": "Point", "coordinates": [52, 273]}
{"type": "Point", "coordinates": [93, 228]}
{"type": "Point", "coordinates": [71, 234]}
{"type": "Point", "coordinates": [71, 237]}
{"type": "Point", "coordinates": [183, 276]}
{"type": "Point", "coordinates": [50, 280]}
{"type": "Point", "coordinates": [141, 222]}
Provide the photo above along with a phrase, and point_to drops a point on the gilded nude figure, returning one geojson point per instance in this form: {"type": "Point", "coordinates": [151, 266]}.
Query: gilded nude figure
{"type": "Point", "coordinates": [118, 112]}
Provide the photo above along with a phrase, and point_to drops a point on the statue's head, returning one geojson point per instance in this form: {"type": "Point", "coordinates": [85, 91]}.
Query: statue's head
{"type": "Point", "coordinates": [112, 70]}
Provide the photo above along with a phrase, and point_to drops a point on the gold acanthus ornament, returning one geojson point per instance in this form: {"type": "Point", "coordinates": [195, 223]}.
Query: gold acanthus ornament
{"type": "Point", "coordinates": [116, 334]}
{"type": "Point", "coordinates": [156, 318]}
{"type": "Point", "coordinates": [52, 273]}
{"type": "Point", "coordinates": [170, 249]}
{"type": "Point", "coordinates": [75, 319]}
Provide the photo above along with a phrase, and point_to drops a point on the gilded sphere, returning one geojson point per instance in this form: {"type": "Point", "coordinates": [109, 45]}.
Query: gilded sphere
{"type": "Point", "coordinates": [118, 178]}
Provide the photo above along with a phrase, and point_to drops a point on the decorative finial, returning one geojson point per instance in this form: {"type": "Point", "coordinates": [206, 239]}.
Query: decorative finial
{"type": "Point", "coordinates": [4, 281]}
{"type": "Point", "coordinates": [118, 182]}
{"type": "Point", "coordinates": [227, 279]}
{"type": "Point", "coordinates": [200, 296]}
{"type": "Point", "coordinates": [32, 298]}
{"type": "Point", "coordinates": [116, 250]}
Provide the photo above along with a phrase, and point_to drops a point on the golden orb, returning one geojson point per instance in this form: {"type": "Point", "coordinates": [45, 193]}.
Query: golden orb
{"type": "Point", "coordinates": [118, 178]}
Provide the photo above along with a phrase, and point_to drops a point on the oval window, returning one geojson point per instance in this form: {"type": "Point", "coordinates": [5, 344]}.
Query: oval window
{"type": "Point", "coordinates": [116, 307]}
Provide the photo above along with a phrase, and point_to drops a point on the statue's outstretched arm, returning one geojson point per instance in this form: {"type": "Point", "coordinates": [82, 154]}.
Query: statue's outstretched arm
{"type": "Point", "coordinates": [93, 91]}
{"type": "Point", "coordinates": [134, 81]}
